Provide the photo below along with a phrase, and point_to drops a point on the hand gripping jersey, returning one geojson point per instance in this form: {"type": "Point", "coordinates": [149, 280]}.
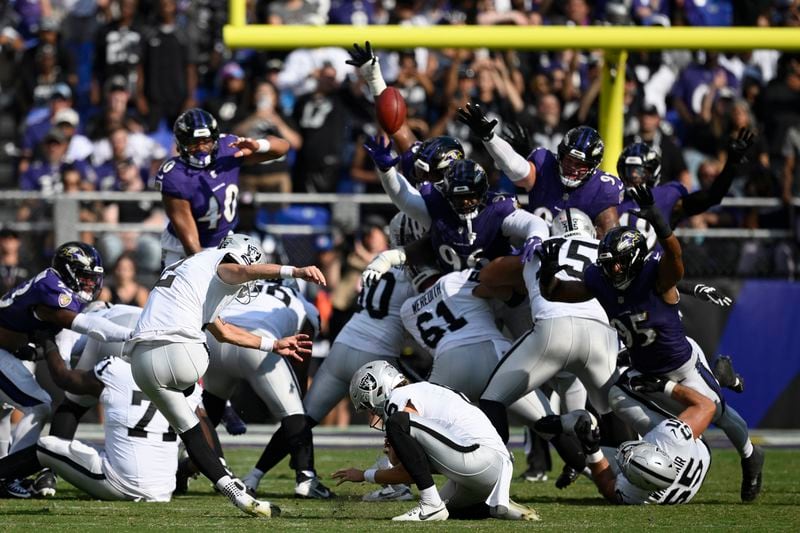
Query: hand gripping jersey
{"type": "Point", "coordinates": [376, 327]}
{"type": "Point", "coordinates": [665, 197]}
{"type": "Point", "coordinates": [16, 306]}
{"type": "Point", "coordinates": [141, 450]}
{"type": "Point", "coordinates": [448, 315]}
{"type": "Point", "coordinates": [549, 195]}
{"type": "Point", "coordinates": [212, 192]}
{"type": "Point", "coordinates": [691, 457]}
{"type": "Point", "coordinates": [275, 309]}
{"type": "Point", "coordinates": [576, 254]}
{"type": "Point", "coordinates": [188, 296]}
{"type": "Point", "coordinates": [455, 245]}
{"type": "Point", "coordinates": [649, 327]}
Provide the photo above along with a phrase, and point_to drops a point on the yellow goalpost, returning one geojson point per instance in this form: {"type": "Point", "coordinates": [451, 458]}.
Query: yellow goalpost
{"type": "Point", "coordinates": [614, 40]}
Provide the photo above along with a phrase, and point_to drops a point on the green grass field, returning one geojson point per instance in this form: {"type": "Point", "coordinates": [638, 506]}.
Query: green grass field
{"type": "Point", "coordinates": [579, 507]}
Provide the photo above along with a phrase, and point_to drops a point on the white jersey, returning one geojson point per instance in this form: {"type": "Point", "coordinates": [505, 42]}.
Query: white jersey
{"type": "Point", "coordinates": [690, 455]}
{"type": "Point", "coordinates": [448, 315]}
{"type": "Point", "coordinates": [189, 295]}
{"type": "Point", "coordinates": [575, 254]}
{"type": "Point", "coordinates": [140, 447]}
{"type": "Point", "coordinates": [450, 409]}
{"type": "Point", "coordinates": [376, 327]}
{"type": "Point", "coordinates": [273, 309]}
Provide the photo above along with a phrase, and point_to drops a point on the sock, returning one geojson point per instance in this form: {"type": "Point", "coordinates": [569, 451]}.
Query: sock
{"type": "Point", "coordinates": [253, 478]}
{"type": "Point", "coordinates": [202, 455]}
{"type": "Point", "coordinates": [214, 406]}
{"type": "Point", "coordinates": [233, 489]}
{"type": "Point", "coordinates": [735, 428]}
{"type": "Point", "coordinates": [20, 464]}
{"type": "Point", "coordinates": [65, 420]}
{"type": "Point", "coordinates": [410, 453]}
{"type": "Point", "coordinates": [430, 496]}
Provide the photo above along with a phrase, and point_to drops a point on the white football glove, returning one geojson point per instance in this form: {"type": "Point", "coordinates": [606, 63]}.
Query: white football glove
{"type": "Point", "coordinates": [381, 265]}
{"type": "Point", "coordinates": [711, 294]}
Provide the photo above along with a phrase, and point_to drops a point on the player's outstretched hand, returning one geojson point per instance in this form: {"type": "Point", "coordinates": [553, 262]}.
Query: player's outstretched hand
{"type": "Point", "coordinates": [549, 425]}
{"type": "Point", "coordinates": [246, 146]}
{"type": "Point", "coordinates": [361, 56]}
{"type": "Point", "coordinates": [310, 273]}
{"type": "Point", "coordinates": [712, 294]}
{"type": "Point", "coordinates": [518, 136]}
{"type": "Point", "coordinates": [296, 347]}
{"type": "Point", "coordinates": [549, 254]}
{"type": "Point", "coordinates": [473, 116]}
{"type": "Point", "coordinates": [530, 249]}
{"type": "Point", "coordinates": [648, 383]}
{"type": "Point", "coordinates": [643, 196]}
{"type": "Point", "coordinates": [375, 269]}
{"type": "Point", "coordinates": [738, 147]}
{"type": "Point", "coordinates": [348, 474]}
{"type": "Point", "coordinates": [381, 153]}
{"type": "Point", "coordinates": [588, 432]}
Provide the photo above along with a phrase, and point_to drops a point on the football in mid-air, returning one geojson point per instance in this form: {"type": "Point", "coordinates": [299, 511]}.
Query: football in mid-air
{"type": "Point", "coordinates": [391, 110]}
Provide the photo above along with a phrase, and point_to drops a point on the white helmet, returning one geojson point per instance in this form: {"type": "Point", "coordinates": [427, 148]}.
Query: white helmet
{"type": "Point", "coordinates": [646, 465]}
{"type": "Point", "coordinates": [244, 249]}
{"type": "Point", "coordinates": [372, 384]}
{"type": "Point", "coordinates": [404, 230]}
{"type": "Point", "coordinates": [573, 222]}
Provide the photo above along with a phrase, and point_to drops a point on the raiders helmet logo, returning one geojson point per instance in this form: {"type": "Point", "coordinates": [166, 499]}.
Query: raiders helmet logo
{"type": "Point", "coordinates": [368, 383]}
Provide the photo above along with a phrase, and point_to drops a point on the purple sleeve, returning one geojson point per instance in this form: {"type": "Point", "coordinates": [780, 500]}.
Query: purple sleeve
{"type": "Point", "coordinates": [680, 190]}
{"type": "Point", "coordinates": [539, 157]}
{"type": "Point", "coordinates": [434, 201]}
{"type": "Point", "coordinates": [53, 293]}
{"type": "Point", "coordinates": [592, 278]}
{"type": "Point", "coordinates": [609, 193]}
{"type": "Point", "coordinates": [171, 181]}
{"type": "Point", "coordinates": [649, 272]}
{"type": "Point", "coordinates": [504, 205]}
{"type": "Point", "coordinates": [407, 162]}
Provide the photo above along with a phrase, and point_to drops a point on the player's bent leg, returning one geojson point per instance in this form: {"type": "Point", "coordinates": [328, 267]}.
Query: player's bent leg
{"type": "Point", "coordinates": [638, 410]}
{"type": "Point", "coordinates": [79, 464]}
{"type": "Point", "coordinates": [19, 388]}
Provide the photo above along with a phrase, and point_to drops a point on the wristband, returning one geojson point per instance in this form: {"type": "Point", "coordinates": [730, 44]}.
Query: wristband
{"type": "Point", "coordinates": [369, 475]}
{"type": "Point", "coordinates": [287, 272]}
{"type": "Point", "coordinates": [595, 457]}
{"type": "Point", "coordinates": [263, 146]}
{"type": "Point", "coordinates": [669, 386]}
{"type": "Point", "coordinates": [267, 344]}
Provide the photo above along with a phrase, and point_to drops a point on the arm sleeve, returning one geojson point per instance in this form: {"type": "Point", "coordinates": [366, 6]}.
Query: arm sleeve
{"type": "Point", "coordinates": [700, 201]}
{"type": "Point", "coordinates": [404, 196]}
{"type": "Point", "coordinates": [506, 159]}
{"type": "Point", "coordinates": [100, 328]}
{"type": "Point", "coordinates": [522, 225]}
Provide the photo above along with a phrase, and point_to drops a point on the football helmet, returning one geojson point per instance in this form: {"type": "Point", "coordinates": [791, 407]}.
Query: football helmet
{"type": "Point", "coordinates": [621, 255]}
{"type": "Point", "coordinates": [404, 230]}
{"type": "Point", "coordinates": [243, 249]}
{"type": "Point", "coordinates": [464, 186]}
{"type": "Point", "coordinates": [433, 156]}
{"type": "Point", "coordinates": [80, 267]}
{"type": "Point", "coordinates": [193, 126]}
{"type": "Point", "coordinates": [639, 163]}
{"type": "Point", "coordinates": [579, 154]}
{"type": "Point", "coordinates": [372, 384]}
{"type": "Point", "coordinates": [646, 465]}
{"type": "Point", "coordinates": [572, 222]}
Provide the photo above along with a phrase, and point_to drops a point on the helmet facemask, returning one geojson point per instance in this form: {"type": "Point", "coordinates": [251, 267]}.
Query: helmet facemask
{"type": "Point", "coordinates": [200, 153]}
{"type": "Point", "coordinates": [574, 169]}
{"type": "Point", "coordinates": [620, 269]}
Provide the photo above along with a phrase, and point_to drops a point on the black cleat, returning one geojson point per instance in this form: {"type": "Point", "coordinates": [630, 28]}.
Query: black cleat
{"type": "Point", "coordinates": [751, 474]}
{"type": "Point", "coordinates": [567, 477]}
{"type": "Point", "coordinates": [44, 486]}
{"type": "Point", "coordinates": [726, 375]}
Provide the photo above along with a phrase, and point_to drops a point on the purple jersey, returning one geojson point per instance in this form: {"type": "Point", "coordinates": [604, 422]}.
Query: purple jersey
{"type": "Point", "coordinates": [212, 192]}
{"type": "Point", "coordinates": [549, 196]}
{"type": "Point", "coordinates": [456, 247]}
{"type": "Point", "coordinates": [16, 306]}
{"type": "Point", "coordinates": [665, 196]}
{"type": "Point", "coordinates": [649, 327]}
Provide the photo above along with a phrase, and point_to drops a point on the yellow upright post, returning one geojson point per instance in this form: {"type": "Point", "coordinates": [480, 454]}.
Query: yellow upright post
{"type": "Point", "coordinates": [237, 13]}
{"type": "Point", "coordinates": [612, 96]}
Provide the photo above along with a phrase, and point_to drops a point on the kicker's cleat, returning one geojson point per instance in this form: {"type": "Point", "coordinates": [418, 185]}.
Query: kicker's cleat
{"type": "Point", "coordinates": [389, 493]}
{"type": "Point", "coordinates": [236, 493]}
{"type": "Point", "coordinates": [424, 513]}
{"type": "Point", "coordinates": [514, 511]}
{"type": "Point", "coordinates": [12, 488]}
{"type": "Point", "coordinates": [751, 474]}
{"type": "Point", "coordinates": [726, 375]}
{"type": "Point", "coordinates": [567, 477]}
{"type": "Point", "coordinates": [44, 486]}
{"type": "Point", "coordinates": [311, 488]}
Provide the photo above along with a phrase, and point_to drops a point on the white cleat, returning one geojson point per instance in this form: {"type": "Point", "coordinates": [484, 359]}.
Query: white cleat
{"type": "Point", "coordinates": [424, 513]}
{"type": "Point", "coordinates": [389, 493]}
{"type": "Point", "coordinates": [236, 493]}
{"type": "Point", "coordinates": [514, 511]}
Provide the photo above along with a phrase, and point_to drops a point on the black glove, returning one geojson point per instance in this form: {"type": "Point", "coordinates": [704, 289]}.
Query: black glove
{"type": "Point", "coordinates": [588, 435]}
{"type": "Point", "coordinates": [518, 137]}
{"type": "Point", "coordinates": [44, 340]}
{"type": "Point", "coordinates": [738, 147]}
{"type": "Point", "coordinates": [360, 56]}
{"type": "Point", "coordinates": [624, 358]}
{"type": "Point", "coordinates": [29, 352]}
{"type": "Point", "coordinates": [550, 425]}
{"type": "Point", "coordinates": [549, 254]}
{"type": "Point", "coordinates": [648, 383]}
{"type": "Point", "coordinates": [648, 211]}
{"type": "Point", "coordinates": [474, 117]}
{"type": "Point", "coordinates": [712, 294]}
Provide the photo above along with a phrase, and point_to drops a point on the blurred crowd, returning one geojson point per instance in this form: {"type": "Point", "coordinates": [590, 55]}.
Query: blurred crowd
{"type": "Point", "coordinates": [89, 91]}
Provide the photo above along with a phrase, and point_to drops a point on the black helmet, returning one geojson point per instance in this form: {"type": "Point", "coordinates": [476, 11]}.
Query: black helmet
{"type": "Point", "coordinates": [621, 255]}
{"type": "Point", "coordinates": [579, 154]}
{"type": "Point", "coordinates": [80, 268]}
{"type": "Point", "coordinates": [433, 156]}
{"type": "Point", "coordinates": [639, 163]}
{"type": "Point", "coordinates": [192, 126]}
{"type": "Point", "coordinates": [465, 185]}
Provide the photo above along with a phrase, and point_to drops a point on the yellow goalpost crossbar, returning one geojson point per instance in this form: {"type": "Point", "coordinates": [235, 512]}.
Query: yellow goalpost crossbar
{"type": "Point", "coordinates": [615, 39]}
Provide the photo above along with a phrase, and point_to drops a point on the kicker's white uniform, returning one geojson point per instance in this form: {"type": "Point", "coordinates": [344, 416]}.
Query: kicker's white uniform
{"type": "Point", "coordinates": [691, 456]}
{"type": "Point", "coordinates": [274, 311]}
{"type": "Point", "coordinates": [460, 332]}
{"type": "Point", "coordinates": [572, 337]}
{"type": "Point", "coordinates": [140, 456]}
{"type": "Point", "coordinates": [374, 332]}
{"type": "Point", "coordinates": [460, 443]}
{"type": "Point", "coordinates": [169, 354]}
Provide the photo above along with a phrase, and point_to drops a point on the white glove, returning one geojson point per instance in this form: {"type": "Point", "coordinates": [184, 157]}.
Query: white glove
{"type": "Point", "coordinates": [381, 265]}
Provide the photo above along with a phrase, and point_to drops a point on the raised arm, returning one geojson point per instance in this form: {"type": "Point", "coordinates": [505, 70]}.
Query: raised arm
{"type": "Point", "coordinates": [235, 274]}
{"type": "Point", "coordinates": [256, 151]}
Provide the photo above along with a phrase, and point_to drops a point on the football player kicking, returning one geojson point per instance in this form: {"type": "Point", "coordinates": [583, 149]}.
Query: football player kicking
{"type": "Point", "coordinates": [554, 182]}
{"type": "Point", "coordinates": [670, 463]}
{"type": "Point", "coordinates": [433, 429]}
{"type": "Point", "coordinates": [141, 449]}
{"type": "Point", "coordinates": [639, 295]}
{"type": "Point", "coordinates": [168, 351]}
